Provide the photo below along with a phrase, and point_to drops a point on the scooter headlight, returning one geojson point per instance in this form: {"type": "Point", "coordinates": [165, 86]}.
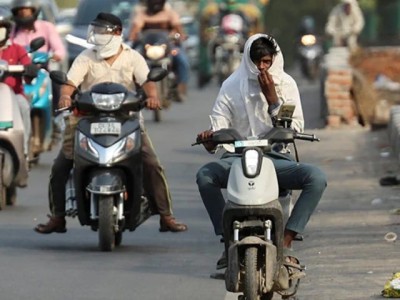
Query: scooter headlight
{"type": "Point", "coordinates": [308, 40]}
{"type": "Point", "coordinates": [251, 162]}
{"type": "Point", "coordinates": [108, 102]}
{"type": "Point", "coordinates": [155, 52]}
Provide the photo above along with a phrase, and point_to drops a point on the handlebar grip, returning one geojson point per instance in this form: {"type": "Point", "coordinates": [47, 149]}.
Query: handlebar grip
{"type": "Point", "coordinates": [306, 137]}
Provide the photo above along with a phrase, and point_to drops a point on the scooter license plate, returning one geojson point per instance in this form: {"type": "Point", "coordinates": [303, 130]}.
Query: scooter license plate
{"type": "Point", "coordinates": [105, 128]}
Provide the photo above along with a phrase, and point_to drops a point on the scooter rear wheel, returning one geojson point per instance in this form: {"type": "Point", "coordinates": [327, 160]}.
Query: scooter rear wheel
{"type": "Point", "coordinates": [251, 280]}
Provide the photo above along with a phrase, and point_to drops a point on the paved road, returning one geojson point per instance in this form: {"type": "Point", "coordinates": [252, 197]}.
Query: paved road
{"type": "Point", "coordinates": [344, 249]}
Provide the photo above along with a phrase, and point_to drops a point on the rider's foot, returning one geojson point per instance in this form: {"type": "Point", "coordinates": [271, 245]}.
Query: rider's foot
{"type": "Point", "coordinates": [169, 223]}
{"type": "Point", "coordinates": [55, 224]}
{"type": "Point", "coordinates": [292, 263]}
{"type": "Point", "coordinates": [182, 92]}
{"type": "Point", "coordinates": [222, 262]}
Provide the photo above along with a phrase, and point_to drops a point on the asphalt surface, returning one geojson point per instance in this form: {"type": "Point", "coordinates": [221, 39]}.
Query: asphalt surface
{"type": "Point", "coordinates": [344, 249]}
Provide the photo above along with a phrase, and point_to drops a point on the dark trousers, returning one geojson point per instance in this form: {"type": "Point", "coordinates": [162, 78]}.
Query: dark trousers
{"type": "Point", "coordinates": [155, 183]}
{"type": "Point", "coordinates": [213, 177]}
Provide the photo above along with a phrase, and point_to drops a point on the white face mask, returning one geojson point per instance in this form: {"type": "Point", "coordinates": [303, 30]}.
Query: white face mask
{"type": "Point", "coordinates": [3, 34]}
{"type": "Point", "coordinates": [98, 39]}
{"type": "Point", "coordinates": [106, 45]}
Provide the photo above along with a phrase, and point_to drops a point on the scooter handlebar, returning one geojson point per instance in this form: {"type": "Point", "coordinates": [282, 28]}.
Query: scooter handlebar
{"type": "Point", "coordinates": [306, 137]}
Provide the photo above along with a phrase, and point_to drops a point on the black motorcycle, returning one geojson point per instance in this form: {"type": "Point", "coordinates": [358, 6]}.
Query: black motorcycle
{"type": "Point", "coordinates": [310, 51]}
{"type": "Point", "coordinates": [106, 192]}
{"type": "Point", "coordinates": [158, 48]}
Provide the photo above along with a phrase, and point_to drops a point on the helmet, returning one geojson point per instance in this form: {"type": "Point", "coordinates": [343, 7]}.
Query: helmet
{"type": "Point", "coordinates": [154, 6]}
{"type": "Point", "coordinates": [307, 25]}
{"type": "Point", "coordinates": [5, 22]}
{"type": "Point", "coordinates": [106, 25]}
{"type": "Point", "coordinates": [25, 21]}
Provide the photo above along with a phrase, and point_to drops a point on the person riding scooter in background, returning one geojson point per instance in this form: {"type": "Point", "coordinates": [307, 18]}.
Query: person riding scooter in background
{"type": "Point", "coordinates": [28, 27]}
{"type": "Point", "coordinates": [15, 54]}
{"type": "Point", "coordinates": [309, 48]}
{"type": "Point", "coordinates": [159, 15]}
{"type": "Point", "coordinates": [109, 60]}
{"type": "Point", "coordinates": [249, 101]}
{"type": "Point", "coordinates": [210, 16]}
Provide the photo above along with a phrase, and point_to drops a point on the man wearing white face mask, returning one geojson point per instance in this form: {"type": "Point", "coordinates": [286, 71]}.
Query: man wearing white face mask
{"type": "Point", "coordinates": [109, 60]}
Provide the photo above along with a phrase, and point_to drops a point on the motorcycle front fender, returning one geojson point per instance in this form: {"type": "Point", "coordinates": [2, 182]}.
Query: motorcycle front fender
{"type": "Point", "coordinates": [235, 252]}
{"type": "Point", "coordinates": [106, 183]}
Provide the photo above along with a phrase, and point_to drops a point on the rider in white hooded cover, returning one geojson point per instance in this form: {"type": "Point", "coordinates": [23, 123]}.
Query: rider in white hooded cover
{"type": "Point", "coordinates": [248, 101]}
{"type": "Point", "coordinates": [242, 105]}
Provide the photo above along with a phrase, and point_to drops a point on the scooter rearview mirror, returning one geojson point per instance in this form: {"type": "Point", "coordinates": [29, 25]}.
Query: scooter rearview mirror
{"type": "Point", "coordinates": [157, 74]}
{"type": "Point", "coordinates": [36, 44]}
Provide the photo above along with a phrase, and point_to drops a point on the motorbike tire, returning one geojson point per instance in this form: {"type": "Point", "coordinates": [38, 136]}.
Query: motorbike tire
{"type": "Point", "coordinates": [106, 223]}
{"type": "Point", "coordinates": [3, 194]}
{"type": "Point", "coordinates": [118, 238]}
{"type": "Point", "coordinates": [11, 194]}
{"type": "Point", "coordinates": [251, 277]}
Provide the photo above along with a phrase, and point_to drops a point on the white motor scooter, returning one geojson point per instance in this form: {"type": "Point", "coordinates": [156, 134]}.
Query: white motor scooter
{"type": "Point", "coordinates": [13, 165]}
{"type": "Point", "coordinates": [255, 215]}
{"type": "Point", "coordinates": [13, 162]}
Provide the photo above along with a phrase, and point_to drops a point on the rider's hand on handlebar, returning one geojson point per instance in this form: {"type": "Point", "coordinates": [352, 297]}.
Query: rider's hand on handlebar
{"type": "Point", "coordinates": [31, 71]}
{"type": "Point", "coordinates": [153, 103]}
{"type": "Point", "coordinates": [204, 136]}
{"type": "Point", "coordinates": [65, 101]}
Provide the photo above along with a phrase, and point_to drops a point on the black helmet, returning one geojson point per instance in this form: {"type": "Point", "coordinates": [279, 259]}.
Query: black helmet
{"type": "Point", "coordinates": [25, 21]}
{"type": "Point", "coordinates": [154, 6]}
{"type": "Point", "coordinates": [6, 22]}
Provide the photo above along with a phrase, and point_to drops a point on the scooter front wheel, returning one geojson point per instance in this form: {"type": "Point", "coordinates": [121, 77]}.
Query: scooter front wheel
{"type": "Point", "coordinates": [251, 280]}
{"type": "Point", "coordinates": [106, 223]}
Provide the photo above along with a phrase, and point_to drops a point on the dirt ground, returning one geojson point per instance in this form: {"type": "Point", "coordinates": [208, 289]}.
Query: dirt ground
{"type": "Point", "coordinates": [346, 254]}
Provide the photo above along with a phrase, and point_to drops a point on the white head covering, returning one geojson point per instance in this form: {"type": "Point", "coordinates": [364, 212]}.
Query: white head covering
{"type": "Point", "coordinates": [241, 103]}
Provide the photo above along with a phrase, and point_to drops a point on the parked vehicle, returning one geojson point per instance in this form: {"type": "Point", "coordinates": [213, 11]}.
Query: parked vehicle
{"type": "Point", "coordinates": [13, 163]}
{"type": "Point", "coordinates": [254, 217]}
{"type": "Point", "coordinates": [106, 188]}
{"type": "Point", "coordinates": [39, 92]}
{"type": "Point", "coordinates": [158, 48]}
{"type": "Point", "coordinates": [87, 11]}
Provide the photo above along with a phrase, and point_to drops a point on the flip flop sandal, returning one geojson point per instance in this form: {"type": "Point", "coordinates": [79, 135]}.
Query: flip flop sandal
{"type": "Point", "coordinates": [296, 272]}
{"type": "Point", "coordinates": [222, 262]}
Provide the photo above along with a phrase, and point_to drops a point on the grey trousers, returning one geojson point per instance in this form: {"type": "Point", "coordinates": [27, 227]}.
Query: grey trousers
{"type": "Point", "coordinates": [213, 177]}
